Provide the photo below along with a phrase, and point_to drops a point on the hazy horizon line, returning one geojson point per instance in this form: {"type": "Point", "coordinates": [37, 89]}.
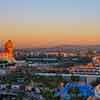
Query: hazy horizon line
{"type": "Point", "coordinates": [57, 46]}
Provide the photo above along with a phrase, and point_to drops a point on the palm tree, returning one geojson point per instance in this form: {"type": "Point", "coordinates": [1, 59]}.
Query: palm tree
{"type": "Point", "coordinates": [60, 58]}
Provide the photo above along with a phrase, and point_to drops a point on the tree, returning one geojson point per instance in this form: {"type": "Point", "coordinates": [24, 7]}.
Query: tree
{"type": "Point", "coordinates": [60, 58]}
{"type": "Point", "coordinates": [75, 78]}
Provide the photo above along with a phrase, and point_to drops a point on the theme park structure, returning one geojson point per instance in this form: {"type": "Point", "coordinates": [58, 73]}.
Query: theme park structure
{"type": "Point", "coordinates": [7, 60]}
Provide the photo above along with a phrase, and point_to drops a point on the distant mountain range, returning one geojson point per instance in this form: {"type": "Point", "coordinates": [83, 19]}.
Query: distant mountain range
{"type": "Point", "coordinates": [67, 48]}
{"type": "Point", "coordinates": [75, 47]}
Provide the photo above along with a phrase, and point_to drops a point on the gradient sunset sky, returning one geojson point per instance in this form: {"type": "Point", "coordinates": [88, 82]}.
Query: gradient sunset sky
{"type": "Point", "coordinates": [34, 23]}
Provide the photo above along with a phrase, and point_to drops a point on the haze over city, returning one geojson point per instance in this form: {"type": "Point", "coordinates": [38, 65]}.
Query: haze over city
{"type": "Point", "coordinates": [39, 23]}
{"type": "Point", "coordinates": [49, 50]}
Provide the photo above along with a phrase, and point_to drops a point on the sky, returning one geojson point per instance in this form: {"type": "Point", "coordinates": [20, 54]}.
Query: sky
{"type": "Point", "coordinates": [39, 23]}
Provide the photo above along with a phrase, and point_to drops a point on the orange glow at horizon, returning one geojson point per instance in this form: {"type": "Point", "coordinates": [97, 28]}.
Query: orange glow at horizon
{"type": "Point", "coordinates": [50, 35]}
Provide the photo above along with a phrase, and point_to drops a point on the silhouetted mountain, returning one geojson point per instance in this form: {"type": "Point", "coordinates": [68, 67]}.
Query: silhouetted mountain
{"type": "Point", "coordinates": [75, 47]}
{"type": "Point", "coordinates": [65, 48]}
